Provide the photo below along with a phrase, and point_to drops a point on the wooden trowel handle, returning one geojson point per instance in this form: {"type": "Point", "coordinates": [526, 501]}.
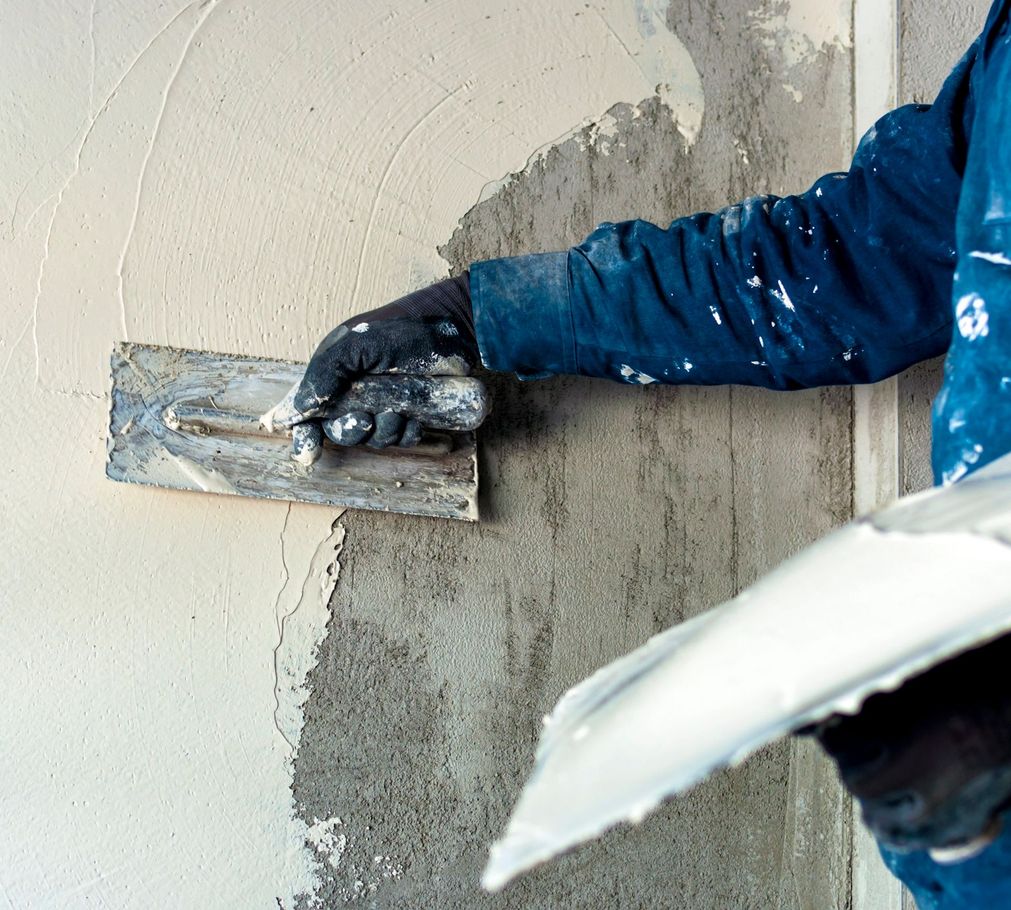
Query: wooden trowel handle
{"type": "Point", "coordinates": [448, 403]}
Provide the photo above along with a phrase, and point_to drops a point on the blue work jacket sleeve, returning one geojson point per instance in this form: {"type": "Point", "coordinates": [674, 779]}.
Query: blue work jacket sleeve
{"type": "Point", "coordinates": [847, 283]}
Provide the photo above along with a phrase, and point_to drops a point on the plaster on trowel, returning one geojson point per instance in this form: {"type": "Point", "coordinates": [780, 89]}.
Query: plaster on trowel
{"type": "Point", "coordinates": [191, 420]}
{"type": "Point", "coordinates": [861, 612]}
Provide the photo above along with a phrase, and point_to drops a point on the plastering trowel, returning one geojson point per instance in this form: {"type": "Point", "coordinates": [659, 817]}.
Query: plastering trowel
{"type": "Point", "coordinates": [191, 420]}
{"type": "Point", "coordinates": [861, 612]}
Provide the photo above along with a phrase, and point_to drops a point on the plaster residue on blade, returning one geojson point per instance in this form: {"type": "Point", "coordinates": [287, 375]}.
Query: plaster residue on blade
{"type": "Point", "coordinates": [858, 613]}
{"type": "Point", "coordinates": [146, 446]}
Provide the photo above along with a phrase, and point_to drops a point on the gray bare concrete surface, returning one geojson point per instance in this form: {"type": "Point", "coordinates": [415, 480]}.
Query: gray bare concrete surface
{"type": "Point", "coordinates": [609, 513]}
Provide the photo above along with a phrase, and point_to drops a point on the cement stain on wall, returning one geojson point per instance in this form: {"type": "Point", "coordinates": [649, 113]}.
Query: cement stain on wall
{"type": "Point", "coordinates": [240, 176]}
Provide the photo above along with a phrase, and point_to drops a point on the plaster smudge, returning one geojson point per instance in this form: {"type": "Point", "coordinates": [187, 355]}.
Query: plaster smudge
{"type": "Point", "coordinates": [798, 30]}
{"type": "Point", "coordinates": [327, 840]}
{"type": "Point", "coordinates": [635, 376]}
{"type": "Point", "coordinates": [207, 479]}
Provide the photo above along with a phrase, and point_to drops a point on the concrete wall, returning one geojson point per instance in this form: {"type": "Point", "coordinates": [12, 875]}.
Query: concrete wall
{"type": "Point", "coordinates": [205, 707]}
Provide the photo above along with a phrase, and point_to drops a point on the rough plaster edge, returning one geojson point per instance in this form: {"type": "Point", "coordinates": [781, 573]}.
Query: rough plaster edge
{"type": "Point", "coordinates": [302, 613]}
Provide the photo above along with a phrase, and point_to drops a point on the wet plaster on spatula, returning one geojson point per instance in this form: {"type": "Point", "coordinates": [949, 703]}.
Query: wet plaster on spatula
{"type": "Point", "coordinates": [859, 613]}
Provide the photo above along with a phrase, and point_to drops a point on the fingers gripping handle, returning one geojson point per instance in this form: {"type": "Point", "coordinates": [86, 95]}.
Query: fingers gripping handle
{"type": "Point", "coordinates": [451, 403]}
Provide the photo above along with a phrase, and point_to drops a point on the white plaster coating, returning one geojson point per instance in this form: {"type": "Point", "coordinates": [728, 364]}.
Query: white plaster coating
{"type": "Point", "coordinates": [230, 218]}
{"type": "Point", "coordinates": [232, 177]}
{"type": "Point", "coordinates": [860, 612]}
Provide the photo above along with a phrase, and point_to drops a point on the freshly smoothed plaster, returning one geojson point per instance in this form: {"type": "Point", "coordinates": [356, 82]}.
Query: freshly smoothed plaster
{"type": "Point", "coordinates": [236, 177]}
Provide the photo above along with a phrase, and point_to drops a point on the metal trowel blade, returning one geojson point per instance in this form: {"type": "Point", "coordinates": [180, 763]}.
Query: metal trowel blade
{"type": "Point", "coordinates": [149, 381]}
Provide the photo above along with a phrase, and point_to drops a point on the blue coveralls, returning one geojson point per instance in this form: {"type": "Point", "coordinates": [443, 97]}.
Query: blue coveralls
{"type": "Point", "coordinates": [902, 258]}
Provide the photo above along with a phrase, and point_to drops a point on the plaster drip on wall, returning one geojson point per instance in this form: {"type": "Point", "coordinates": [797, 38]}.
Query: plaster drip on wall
{"type": "Point", "coordinates": [301, 629]}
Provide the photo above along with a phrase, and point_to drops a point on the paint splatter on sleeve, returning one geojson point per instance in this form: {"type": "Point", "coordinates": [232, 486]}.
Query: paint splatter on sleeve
{"type": "Point", "coordinates": [847, 283]}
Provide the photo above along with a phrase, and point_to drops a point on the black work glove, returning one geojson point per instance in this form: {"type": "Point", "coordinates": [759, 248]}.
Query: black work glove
{"type": "Point", "coordinates": [429, 332]}
{"type": "Point", "coordinates": [931, 762]}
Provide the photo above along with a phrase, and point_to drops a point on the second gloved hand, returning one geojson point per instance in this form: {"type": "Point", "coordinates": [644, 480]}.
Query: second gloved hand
{"type": "Point", "coordinates": [429, 332]}
{"type": "Point", "coordinates": [931, 762]}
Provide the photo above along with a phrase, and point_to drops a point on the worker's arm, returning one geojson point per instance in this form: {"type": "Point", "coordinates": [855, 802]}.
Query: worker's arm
{"type": "Point", "coordinates": [849, 282]}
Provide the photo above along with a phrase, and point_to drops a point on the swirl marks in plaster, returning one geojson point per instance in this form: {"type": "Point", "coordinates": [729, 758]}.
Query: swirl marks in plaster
{"type": "Point", "coordinates": [237, 201]}
{"type": "Point", "coordinates": [274, 193]}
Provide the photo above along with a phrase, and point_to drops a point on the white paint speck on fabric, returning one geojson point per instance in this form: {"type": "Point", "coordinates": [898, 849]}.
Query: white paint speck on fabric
{"type": "Point", "coordinates": [972, 317]}
{"type": "Point", "coordinates": [783, 297]}
{"type": "Point", "coordinates": [636, 376]}
{"type": "Point", "coordinates": [995, 258]}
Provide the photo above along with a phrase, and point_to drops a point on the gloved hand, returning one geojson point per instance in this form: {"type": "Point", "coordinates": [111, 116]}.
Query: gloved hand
{"type": "Point", "coordinates": [429, 332]}
{"type": "Point", "coordinates": [931, 762]}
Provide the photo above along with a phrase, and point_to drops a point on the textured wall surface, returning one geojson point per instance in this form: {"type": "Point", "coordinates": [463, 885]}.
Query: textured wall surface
{"type": "Point", "coordinates": [610, 513]}
{"type": "Point", "coordinates": [203, 707]}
